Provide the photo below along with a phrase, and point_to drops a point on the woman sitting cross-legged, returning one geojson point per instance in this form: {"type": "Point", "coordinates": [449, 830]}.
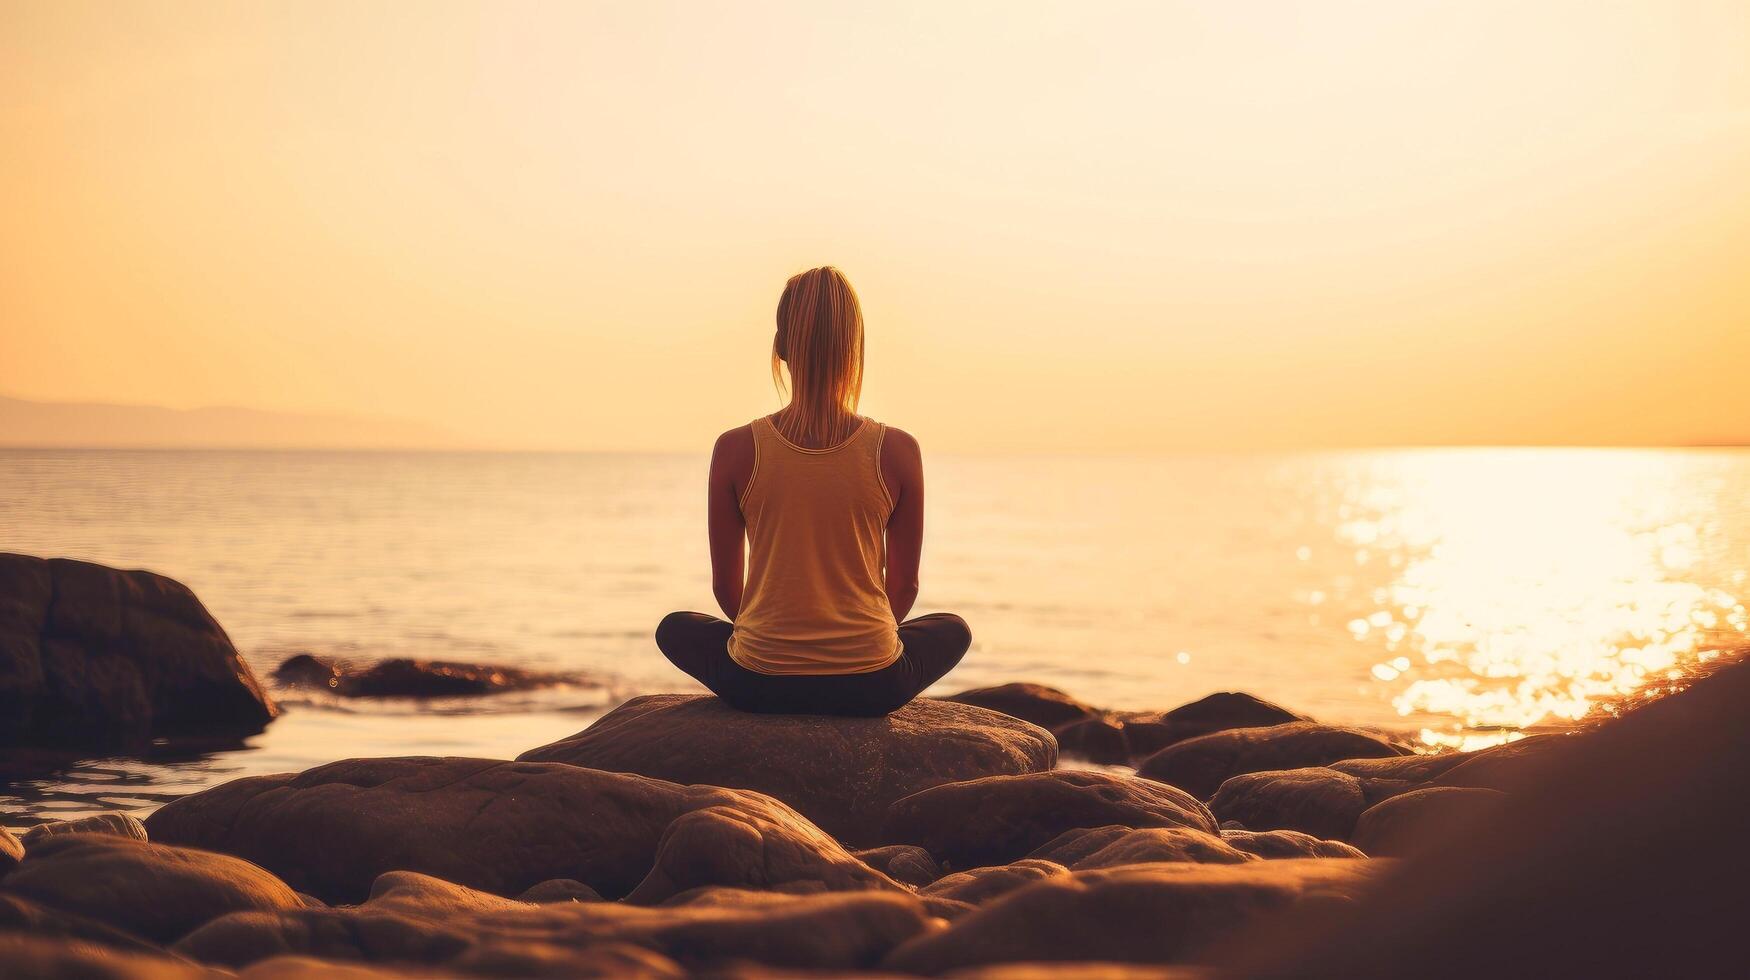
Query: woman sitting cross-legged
{"type": "Point", "coordinates": [816, 525]}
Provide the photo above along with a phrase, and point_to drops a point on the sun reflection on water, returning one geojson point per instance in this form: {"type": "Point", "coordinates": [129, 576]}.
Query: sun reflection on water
{"type": "Point", "coordinates": [1521, 603]}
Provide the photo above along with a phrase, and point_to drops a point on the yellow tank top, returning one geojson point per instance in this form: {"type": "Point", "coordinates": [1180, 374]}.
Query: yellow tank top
{"type": "Point", "coordinates": [815, 601]}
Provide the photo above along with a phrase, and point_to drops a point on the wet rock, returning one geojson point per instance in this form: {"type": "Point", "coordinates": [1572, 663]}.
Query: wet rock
{"type": "Point", "coordinates": [1200, 765]}
{"type": "Point", "coordinates": [152, 890]}
{"type": "Point", "coordinates": [747, 846]}
{"type": "Point", "coordinates": [560, 890]}
{"type": "Point", "coordinates": [1321, 802]}
{"type": "Point", "coordinates": [412, 893]}
{"type": "Point", "coordinates": [21, 915]}
{"type": "Point", "coordinates": [1000, 819]}
{"type": "Point", "coordinates": [1407, 768]}
{"type": "Point", "coordinates": [1044, 706]}
{"type": "Point", "coordinates": [980, 885]}
{"type": "Point", "coordinates": [1510, 765]}
{"type": "Point", "coordinates": [115, 824]}
{"type": "Point", "coordinates": [500, 827]}
{"type": "Point", "coordinates": [96, 656]}
{"type": "Point", "coordinates": [902, 862]}
{"type": "Point", "coordinates": [27, 956]}
{"type": "Point", "coordinates": [1110, 847]}
{"type": "Point", "coordinates": [1118, 737]}
{"type": "Point", "coordinates": [841, 773]}
{"type": "Point", "coordinates": [1079, 970]}
{"type": "Point", "coordinates": [1279, 844]}
{"type": "Point", "coordinates": [11, 851]}
{"type": "Point", "coordinates": [1101, 739]}
{"type": "Point", "coordinates": [1422, 817]}
{"type": "Point", "coordinates": [821, 932]}
{"type": "Point", "coordinates": [306, 968]}
{"type": "Point", "coordinates": [1158, 913]}
{"type": "Point", "coordinates": [402, 677]}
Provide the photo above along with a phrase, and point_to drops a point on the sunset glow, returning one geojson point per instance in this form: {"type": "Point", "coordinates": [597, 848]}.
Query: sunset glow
{"type": "Point", "coordinates": [565, 226]}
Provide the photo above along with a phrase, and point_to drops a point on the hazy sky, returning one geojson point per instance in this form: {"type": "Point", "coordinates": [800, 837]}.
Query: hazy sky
{"type": "Point", "coordinates": [1074, 226]}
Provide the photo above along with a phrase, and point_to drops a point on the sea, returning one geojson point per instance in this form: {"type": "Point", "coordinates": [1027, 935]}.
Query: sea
{"type": "Point", "coordinates": [1457, 596]}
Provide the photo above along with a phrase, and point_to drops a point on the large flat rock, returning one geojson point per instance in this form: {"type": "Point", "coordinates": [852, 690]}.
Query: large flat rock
{"type": "Point", "coordinates": [841, 773]}
{"type": "Point", "coordinates": [504, 827]}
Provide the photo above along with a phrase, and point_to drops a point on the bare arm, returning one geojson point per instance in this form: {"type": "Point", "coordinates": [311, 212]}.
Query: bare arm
{"type": "Point", "coordinates": [731, 466]}
{"type": "Point", "coordinates": [902, 468]}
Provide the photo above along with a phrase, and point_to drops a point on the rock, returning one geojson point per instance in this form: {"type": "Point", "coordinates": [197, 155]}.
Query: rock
{"type": "Point", "coordinates": [748, 846]}
{"type": "Point", "coordinates": [152, 890]}
{"type": "Point", "coordinates": [1118, 737]}
{"type": "Point", "coordinates": [1510, 765]}
{"type": "Point", "coordinates": [1044, 706]}
{"type": "Point", "coordinates": [834, 932]}
{"type": "Point", "coordinates": [983, 884]}
{"type": "Point", "coordinates": [21, 915]}
{"type": "Point", "coordinates": [1279, 844]}
{"type": "Point", "coordinates": [25, 956]}
{"type": "Point", "coordinates": [841, 773]}
{"type": "Point", "coordinates": [902, 862]}
{"type": "Point", "coordinates": [1155, 913]}
{"type": "Point", "coordinates": [1324, 803]}
{"type": "Point", "coordinates": [500, 827]}
{"type": "Point", "coordinates": [94, 656]}
{"type": "Point", "coordinates": [1408, 768]}
{"type": "Point", "coordinates": [1110, 847]}
{"type": "Point", "coordinates": [560, 890]}
{"type": "Point", "coordinates": [1079, 970]}
{"type": "Point", "coordinates": [1431, 815]}
{"type": "Point", "coordinates": [1625, 857]}
{"type": "Point", "coordinates": [115, 824]}
{"type": "Point", "coordinates": [305, 968]}
{"type": "Point", "coordinates": [1101, 739]}
{"type": "Point", "coordinates": [412, 893]}
{"type": "Point", "coordinates": [1199, 765]}
{"type": "Point", "coordinates": [999, 819]}
{"type": "Point", "coordinates": [11, 852]}
{"type": "Point", "coordinates": [401, 677]}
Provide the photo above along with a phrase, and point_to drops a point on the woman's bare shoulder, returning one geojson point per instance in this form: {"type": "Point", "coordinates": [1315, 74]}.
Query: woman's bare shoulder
{"type": "Point", "coordinates": [736, 442]}
{"type": "Point", "coordinates": [899, 443]}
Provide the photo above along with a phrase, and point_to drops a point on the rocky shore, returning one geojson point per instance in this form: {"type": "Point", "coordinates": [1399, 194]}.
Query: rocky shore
{"type": "Point", "coordinates": [956, 837]}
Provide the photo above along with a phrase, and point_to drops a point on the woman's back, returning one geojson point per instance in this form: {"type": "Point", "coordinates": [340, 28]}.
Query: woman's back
{"type": "Point", "coordinates": [814, 601]}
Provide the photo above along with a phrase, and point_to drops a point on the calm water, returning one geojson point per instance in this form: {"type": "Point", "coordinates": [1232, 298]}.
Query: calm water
{"type": "Point", "coordinates": [1455, 594]}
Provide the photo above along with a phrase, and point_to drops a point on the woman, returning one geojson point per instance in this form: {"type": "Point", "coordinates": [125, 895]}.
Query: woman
{"type": "Point", "coordinates": [832, 505]}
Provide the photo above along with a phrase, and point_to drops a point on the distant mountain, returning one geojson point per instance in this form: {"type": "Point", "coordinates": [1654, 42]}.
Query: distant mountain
{"type": "Point", "coordinates": [80, 425]}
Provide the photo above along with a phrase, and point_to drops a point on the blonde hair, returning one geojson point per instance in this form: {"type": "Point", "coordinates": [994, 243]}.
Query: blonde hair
{"type": "Point", "coordinates": [820, 339]}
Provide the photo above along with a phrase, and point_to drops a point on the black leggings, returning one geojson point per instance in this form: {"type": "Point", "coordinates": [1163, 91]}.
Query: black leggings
{"type": "Point", "coordinates": [699, 645]}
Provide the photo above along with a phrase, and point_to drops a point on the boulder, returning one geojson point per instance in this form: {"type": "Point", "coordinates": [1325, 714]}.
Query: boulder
{"type": "Point", "coordinates": [1510, 765]}
{"type": "Point", "coordinates": [27, 956]}
{"type": "Point", "coordinates": [744, 845]}
{"type": "Point", "coordinates": [402, 677]}
{"type": "Point", "coordinates": [21, 915]}
{"type": "Point", "coordinates": [1423, 817]}
{"type": "Point", "coordinates": [500, 827]}
{"type": "Point", "coordinates": [152, 890]}
{"type": "Point", "coordinates": [980, 885]}
{"type": "Point", "coordinates": [999, 819]}
{"type": "Point", "coordinates": [1200, 765]}
{"type": "Point", "coordinates": [1152, 913]}
{"type": "Point", "coordinates": [902, 862]}
{"type": "Point", "coordinates": [1405, 768]}
{"type": "Point", "coordinates": [1080, 970]}
{"type": "Point", "coordinates": [95, 656]}
{"type": "Point", "coordinates": [412, 893]}
{"type": "Point", "coordinates": [834, 932]}
{"type": "Point", "coordinates": [1324, 803]}
{"type": "Point", "coordinates": [560, 890]}
{"type": "Point", "coordinates": [841, 773]}
{"type": "Point", "coordinates": [11, 852]}
{"type": "Point", "coordinates": [1118, 737]}
{"type": "Point", "coordinates": [1279, 844]}
{"type": "Point", "coordinates": [1109, 847]}
{"type": "Point", "coordinates": [114, 824]}
{"type": "Point", "coordinates": [1044, 706]}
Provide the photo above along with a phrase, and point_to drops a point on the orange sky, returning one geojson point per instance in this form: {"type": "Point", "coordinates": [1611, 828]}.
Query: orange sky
{"type": "Point", "coordinates": [1112, 227]}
